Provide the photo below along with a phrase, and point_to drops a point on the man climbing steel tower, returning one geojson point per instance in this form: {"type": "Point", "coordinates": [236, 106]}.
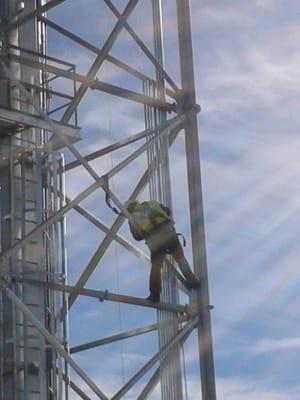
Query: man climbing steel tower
{"type": "Point", "coordinates": [152, 222]}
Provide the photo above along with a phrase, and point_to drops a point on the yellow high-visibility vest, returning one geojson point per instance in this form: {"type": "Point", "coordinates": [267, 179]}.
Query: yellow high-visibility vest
{"type": "Point", "coordinates": [148, 215]}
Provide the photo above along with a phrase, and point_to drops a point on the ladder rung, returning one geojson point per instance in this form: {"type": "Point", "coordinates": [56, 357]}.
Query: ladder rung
{"type": "Point", "coordinates": [27, 325]}
{"type": "Point", "coordinates": [27, 200]}
{"type": "Point", "coordinates": [25, 180]}
{"type": "Point", "coordinates": [29, 391]}
{"type": "Point", "coordinates": [32, 305]}
{"type": "Point", "coordinates": [29, 347]}
{"type": "Point", "coordinates": [29, 262]}
{"type": "Point", "coordinates": [30, 242]}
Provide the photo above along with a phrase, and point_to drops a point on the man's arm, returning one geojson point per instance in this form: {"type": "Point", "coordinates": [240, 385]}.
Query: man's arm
{"type": "Point", "coordinates": [166, 210]}
{"type": "Point", "coordinates": [137, 234]}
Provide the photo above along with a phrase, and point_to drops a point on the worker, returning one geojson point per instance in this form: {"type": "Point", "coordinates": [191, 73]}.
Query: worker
{"type": "Point", "coordinates": [152, 222]}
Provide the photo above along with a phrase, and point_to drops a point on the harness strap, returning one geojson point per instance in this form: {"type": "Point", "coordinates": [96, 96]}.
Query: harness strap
{"type": "Point", "coordinates": [105, 187]}
{"type": "Point", "coordinates": [183, 239]}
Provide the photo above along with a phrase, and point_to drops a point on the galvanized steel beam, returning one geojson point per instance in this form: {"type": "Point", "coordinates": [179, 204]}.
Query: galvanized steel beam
{"type": "Point", "coordinates": [123, 335]}
{"type": "Point", "coordinates": [158, 356]}
{"type": "Point", "coordinates": [93, 48]}
{"type": "Point", "coordinates": [104, 295]}
{"type": "Point", "coordinates": [95, 84]}
{"type": "Point", "coordinates": [29, 16]}
{"type": "Point", "coordinates": [30, 120]}
{"type": "Point", "coordinates": [143, 47]}
{"type": "Point", "coordinates": [54, 342]}
{"type": "Point", "coordinates": [100, 59]}
{"type": "Point", "coordinates": [188, 102]}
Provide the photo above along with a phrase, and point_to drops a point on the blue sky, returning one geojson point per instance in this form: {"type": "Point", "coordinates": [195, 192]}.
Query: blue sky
{"type": "Point", "coordinates": [247, 77]}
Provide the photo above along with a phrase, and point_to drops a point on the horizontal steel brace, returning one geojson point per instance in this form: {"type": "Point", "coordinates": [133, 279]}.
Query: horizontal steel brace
{"type": "Point", "coordinates": [105, 295]}
{"type": "Point", "coordinates": [53, 341]}
{"type": "Point", "coordinates": [128, 246]}
{"type": "Point", "coordinates": [27, 17]}
{"type": "Point", "coordinates": [84, 194]}
{"type": "Point", "coordinates": [96, 84]}
{"type": "Point", "coordinates": [109, 149]}
{"type": "Point", "coordinates": [143, 47]}
{"type": "Point", "coordinates": [55, 217]}
{"type": "Point", "coordinates": [106, 229]}
{"type": "Point", "coordinates": [156, 375]}
{"type": "Point", "coordinates": [99, 60]}
{"type": "Point", "coordinates": [118, 145]}
{"type": "Point", "coordinates": [55, 129]}
{"type": "Point", "coordinates": [94, 49]}
{"type": "Point", "coordinates": [120, 219]}
{"type": "Point", "coordinates": [158, 356]}
{"type": "Point", "coordinates": [44, 57]}
{"type": "Point", "coordinates": [101, 249]}
{"type": "Point", "coordinates": [30, 120]}
{"type": "Point", "coordinates": [49, 92]}
{"type": "Point", "coordinates": [124, 335]}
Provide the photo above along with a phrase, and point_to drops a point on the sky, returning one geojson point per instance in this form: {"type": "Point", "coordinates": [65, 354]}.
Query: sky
{"type": "Point", "coordinates": [247, 67]}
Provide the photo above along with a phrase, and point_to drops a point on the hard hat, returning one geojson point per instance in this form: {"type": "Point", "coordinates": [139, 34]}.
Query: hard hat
{"type": "Point", "coordinates": [131, 205]}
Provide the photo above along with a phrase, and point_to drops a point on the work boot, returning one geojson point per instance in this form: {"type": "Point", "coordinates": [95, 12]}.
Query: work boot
{"type": "Point", "coordinates": [196, 285]}
{"type": "Point", "coordinates": [153, 298]}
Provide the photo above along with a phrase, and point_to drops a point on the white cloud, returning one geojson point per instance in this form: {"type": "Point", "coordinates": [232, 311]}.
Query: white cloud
{"type": "Point", "coordinates": [227, 389]}
{"type": "Point", "coordinates": [273, 345]}
{"type": "Point", "coordinates": [265, 3]}
{"type": "Point", "coordinates": [249, 389]}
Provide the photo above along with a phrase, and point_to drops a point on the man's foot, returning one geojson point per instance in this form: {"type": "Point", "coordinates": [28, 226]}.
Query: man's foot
{"type": "Point", "coordinates": [153, 298]}
{"type": "Point", "coordinates": [194, 285]}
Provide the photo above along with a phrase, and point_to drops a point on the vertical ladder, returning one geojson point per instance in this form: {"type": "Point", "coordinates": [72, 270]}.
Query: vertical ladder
{"type": "Point", "coordinates": [27, 192]}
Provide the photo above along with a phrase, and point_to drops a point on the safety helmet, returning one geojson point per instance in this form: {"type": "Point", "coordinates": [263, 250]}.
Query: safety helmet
{"type": "Point", "coordinates": [131, 205]}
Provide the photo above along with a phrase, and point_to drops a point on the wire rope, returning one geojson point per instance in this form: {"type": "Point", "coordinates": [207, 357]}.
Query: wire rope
{"type": "Point", "coordinates": [160, 190]}
{"type": "Point", "coordinates": [116, 256]}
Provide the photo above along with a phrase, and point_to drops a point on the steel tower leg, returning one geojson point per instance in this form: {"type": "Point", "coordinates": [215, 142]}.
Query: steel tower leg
{"type": "Point", "coordinates": [188, 102]}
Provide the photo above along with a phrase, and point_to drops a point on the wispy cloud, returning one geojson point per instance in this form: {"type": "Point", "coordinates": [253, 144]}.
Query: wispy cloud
{"type": "Point", "coordinates": [249, 389]}
{"type": "Point", "coordinates": [273, 345]}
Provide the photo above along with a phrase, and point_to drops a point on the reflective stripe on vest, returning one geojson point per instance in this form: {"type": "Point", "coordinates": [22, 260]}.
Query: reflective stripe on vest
{"type": "Point", "coordinates": [148, 215]}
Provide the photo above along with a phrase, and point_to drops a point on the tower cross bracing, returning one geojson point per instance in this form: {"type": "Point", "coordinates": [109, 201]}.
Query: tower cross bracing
{"type": "Point", "coordinates": [123, 71]}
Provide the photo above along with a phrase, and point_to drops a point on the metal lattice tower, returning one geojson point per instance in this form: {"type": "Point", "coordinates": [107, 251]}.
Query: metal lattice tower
{"type": "Point", "coordinates": [40, 97]}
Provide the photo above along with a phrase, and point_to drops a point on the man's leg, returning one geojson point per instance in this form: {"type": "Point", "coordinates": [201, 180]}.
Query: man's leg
{"type": "Point", "coordinates": [184, 266]}
{"type": "Point", "coordinates": [155, 278]}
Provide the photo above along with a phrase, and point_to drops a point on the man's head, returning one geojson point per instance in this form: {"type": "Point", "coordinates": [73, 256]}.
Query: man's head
{"type": "Point", "coordinates": [131, 205]}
